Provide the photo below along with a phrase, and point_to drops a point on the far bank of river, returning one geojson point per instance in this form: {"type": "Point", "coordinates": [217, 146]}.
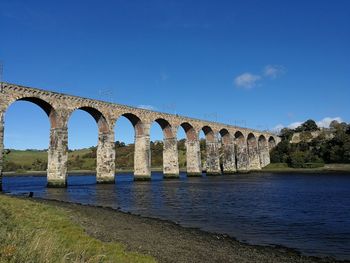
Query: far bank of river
{"type": "Point", "coordinates": [327, 168]}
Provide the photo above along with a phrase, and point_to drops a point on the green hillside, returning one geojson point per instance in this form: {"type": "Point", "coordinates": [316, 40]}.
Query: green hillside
{"type": "Point", "coordinates": [85, 159]}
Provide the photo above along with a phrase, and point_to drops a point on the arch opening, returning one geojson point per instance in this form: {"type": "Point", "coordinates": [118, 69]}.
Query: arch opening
{"type": "Point", "coordinates": [136, 123]}
{"type": "Point", "coordinates": [251, 140]}
{"type": "Point", "coordinates": [190, 132]}
{"type": "Point", "coordinates": [262, 141]}
{"type": "Point", "coordinates": [125, 133]}
{"type": "Point", "coordinates": [272, 142]}
{"type": "Point", "coordinates": [157, 139]}
{"type": "Point", "coordinates": [239, 138]}
{"type": "Point", "coordinates": [26, 136]}
{"type": "Point", "coordinates": [225, 136]}
{"type": "Point", "coordinates": [83, 138]}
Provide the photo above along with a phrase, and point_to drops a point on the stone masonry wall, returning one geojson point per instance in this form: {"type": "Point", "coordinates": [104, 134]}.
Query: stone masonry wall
{"type": "Point", "coordinates": [59, 108]}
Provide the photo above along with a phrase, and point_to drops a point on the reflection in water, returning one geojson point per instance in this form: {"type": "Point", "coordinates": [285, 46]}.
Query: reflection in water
{"type": "Point", "coordinates": [307, 212]}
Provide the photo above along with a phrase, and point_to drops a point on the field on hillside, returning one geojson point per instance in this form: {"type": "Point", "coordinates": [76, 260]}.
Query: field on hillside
{"type": "Point", "coordinates": [85, 159]}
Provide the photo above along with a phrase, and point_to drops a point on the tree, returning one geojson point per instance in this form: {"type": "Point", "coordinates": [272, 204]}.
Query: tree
{"type": "Point", "coordinates": [297, 159]}
{"type": "Point", "coordinates": [309, 125]}
{"type": "Point", "coordinates": [286, 134]}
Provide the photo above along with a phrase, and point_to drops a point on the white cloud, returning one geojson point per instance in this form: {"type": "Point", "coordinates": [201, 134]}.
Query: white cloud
{"type": "Point", "coordinates": [273, 71]}
{"type": "Point", "coordinates": [247, 80]}
{"type": "Point", "coordinates": [278, 128]}
{"type": "Point", "coordinates": [294, 125]}
{"type": "Point", "coordinates": [146, 107]}
{"type": "Point", "coordinates": [324, 123]}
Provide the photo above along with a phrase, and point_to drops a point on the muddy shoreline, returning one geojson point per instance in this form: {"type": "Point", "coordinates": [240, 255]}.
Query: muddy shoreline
{"type": "Point", "coordinates": [170, 242]}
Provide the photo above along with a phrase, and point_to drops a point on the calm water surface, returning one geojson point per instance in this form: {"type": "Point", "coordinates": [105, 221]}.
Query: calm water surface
{"type": "Point", "coordinates": [308, 212]}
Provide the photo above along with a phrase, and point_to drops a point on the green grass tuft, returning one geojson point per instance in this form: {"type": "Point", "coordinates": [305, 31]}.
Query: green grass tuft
{"type": "Point", "coordinates": [35, 232]}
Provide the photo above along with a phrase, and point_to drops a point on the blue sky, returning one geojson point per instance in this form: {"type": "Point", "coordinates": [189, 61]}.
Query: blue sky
{"type": "Point", "coordinates": [252, 63]}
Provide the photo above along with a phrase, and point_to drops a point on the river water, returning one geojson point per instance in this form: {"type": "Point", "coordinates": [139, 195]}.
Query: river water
{"type": "Point", "coordinates": [307, 212]}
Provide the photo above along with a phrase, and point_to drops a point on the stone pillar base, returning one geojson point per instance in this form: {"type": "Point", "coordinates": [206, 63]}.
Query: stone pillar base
{"type": "Point", "coordinates": [56, 183]}
{"type": "Point", "coordinates": [230, 172]}
{"type": "Point", "coordinates": [243, 171]}
{"type": "Point", "coordinates": [142, 177]}
{"type": "Point", "coordinates": [171, 176]}
{"type": "Point", "coordinates": [105, 180]}
{"type": "Point", "coordinates": [213, 173]}
{"type": "Point", "coordinates": [194, 174]}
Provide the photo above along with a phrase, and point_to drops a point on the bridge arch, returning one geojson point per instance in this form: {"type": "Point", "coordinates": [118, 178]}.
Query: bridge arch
{"type": "Point", "coordinates": [43, 104]}
{"type": "Point", "coordinates": [46, 112]}
{"type": "Point", "coordinates": [105, 151]}
{"type": "Point", "coordinates": [242, 160]}
{"type": "Point", "coordinates": [272, 142]}
{"type": "Point", "coordinates": [142, 151]}
{"type": "Point", "coordinates": [262, 141]}
{"type": "Point", "coordinates": [166, 128]}
{"type": "Point", "coordinates": [228, 156]}
{"type": "Point", "coordinates": [97, 115]}
{"type": "Point", "coordinates": [209, 133]}
{"type": "Point", "coordinates": [170, 157]}
{"type": "Point", "coordinates": [193, 154]}
{"type": "Point", "coordinates": [226, 137]}
{"type": "Point", "coordinates": [135, 121]}
{"type": "Point", "coordinates": [57, 150]}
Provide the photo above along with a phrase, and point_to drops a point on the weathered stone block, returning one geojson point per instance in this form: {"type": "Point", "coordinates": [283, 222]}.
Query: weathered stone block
{"type": "Point", "coordinates": [170, 158]}
{"type": "Point", "coordinates": [193, 155]}
{"type": "Point", "coordinates": [213, 157]}
{"type": "Point", "coordinates": [57, 158]}
{"type": "Point", "coordinates": [105, 163]}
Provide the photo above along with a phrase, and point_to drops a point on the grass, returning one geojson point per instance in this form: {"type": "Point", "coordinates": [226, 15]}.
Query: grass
{"type": "Point", "coordinates": [312, 167]}
{"type": "Point", "coordinates": [36, 232]}
{"type": "Point", "coordinates": [26, 157]}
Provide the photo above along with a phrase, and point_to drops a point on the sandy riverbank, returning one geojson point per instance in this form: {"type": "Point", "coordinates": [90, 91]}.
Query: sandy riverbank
{"type": "Point", "coordinates": [169, 242]}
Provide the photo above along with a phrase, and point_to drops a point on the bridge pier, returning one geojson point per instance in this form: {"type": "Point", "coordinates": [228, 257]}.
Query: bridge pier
{"type": "Point", "coordinates": [1, 146]}
{"type": "Point", "coordinates": [170, 158]}
{"type": "Point", "coordinates": [193, 157]}
{"type": "Point", "coordinates": [229, 158]}
{"type": "Point", "coordinates": [242, 157]}
{"type": "Point", "coordinates": [57, 157]}
{"type": "Point", "coordinates": [253, 153]}
{"type": "Point", "coordinates": [142, 156]}
{"type": "Point", "coordinates": [213, 156]}
{"type": "Point", "coordinates": [105, 163]}
{"type": "Point", "coordinates": [264, 153]}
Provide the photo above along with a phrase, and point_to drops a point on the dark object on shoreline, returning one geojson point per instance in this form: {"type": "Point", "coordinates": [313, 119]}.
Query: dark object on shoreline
{"type": "Point", "coordinates": [31, 194]}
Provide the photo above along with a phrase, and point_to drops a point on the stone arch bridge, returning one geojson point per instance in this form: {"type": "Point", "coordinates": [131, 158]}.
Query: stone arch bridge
{"type": "Point", "coordinates": [242, 149]}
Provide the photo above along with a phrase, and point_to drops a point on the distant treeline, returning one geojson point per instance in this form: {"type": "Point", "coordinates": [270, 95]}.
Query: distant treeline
{"type": "Point", "coordinates": [315, 146]}
{"type": "Point", "coordinates": [85, 159]}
